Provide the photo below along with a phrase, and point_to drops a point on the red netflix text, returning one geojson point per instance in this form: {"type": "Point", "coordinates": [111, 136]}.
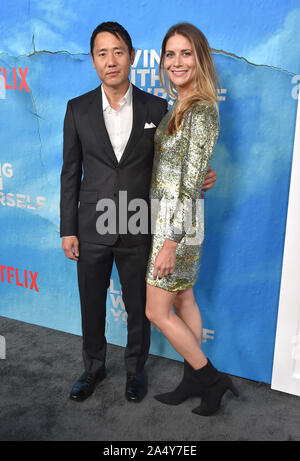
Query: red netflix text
{"type": "Point", "coordinates": [24, 278]}
{"type": "Point", "coordinates": [23, 84]}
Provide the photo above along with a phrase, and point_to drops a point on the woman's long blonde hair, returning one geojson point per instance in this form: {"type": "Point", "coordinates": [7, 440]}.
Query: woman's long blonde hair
{"type": "Point", "coordinates": [206, 79]}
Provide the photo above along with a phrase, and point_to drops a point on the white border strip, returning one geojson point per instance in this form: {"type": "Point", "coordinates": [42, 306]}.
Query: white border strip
{"type": "Point", "coordinates": [284, 377]}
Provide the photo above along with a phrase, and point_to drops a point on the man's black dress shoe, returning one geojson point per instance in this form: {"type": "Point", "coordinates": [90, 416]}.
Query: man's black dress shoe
{"type": "Point", "coordinates": [136, 386]}
{"type": "Point", "coordinates": [85, 385]}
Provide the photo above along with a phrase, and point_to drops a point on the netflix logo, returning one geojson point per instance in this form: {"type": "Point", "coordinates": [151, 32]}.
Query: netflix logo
{"type": "Point", "coordinates": [10, 81]}
{"type": "Point", "coordinates": [23, 278]}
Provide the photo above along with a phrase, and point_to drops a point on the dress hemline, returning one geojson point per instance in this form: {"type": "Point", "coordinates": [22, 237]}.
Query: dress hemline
{"type": "Point", "coordinates": [156, 283]}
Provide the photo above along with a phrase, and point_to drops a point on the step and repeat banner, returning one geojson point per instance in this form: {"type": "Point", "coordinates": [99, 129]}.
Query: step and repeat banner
{"type": "Point", "coordinates": [44, 62]}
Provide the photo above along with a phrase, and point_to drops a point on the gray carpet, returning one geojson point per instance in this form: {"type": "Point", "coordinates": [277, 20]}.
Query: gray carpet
{"type": "Point", "coordinates": [41, 366]}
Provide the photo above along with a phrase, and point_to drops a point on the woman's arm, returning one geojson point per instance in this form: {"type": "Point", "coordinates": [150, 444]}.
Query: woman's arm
{"type": "Point", "coordinates": [199, 135]}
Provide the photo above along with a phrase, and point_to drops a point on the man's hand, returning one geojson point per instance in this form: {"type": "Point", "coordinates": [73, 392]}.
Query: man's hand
{"type": "Point", "coordinates": [70, 246]}
{"type": "Point", "coordinates": [165, 260]}
{"type": "Point", "coordinates": [210, 179]}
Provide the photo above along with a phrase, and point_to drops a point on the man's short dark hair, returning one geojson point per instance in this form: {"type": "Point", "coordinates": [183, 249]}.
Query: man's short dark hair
{"type": "Point", "coordinates": [113, 28]}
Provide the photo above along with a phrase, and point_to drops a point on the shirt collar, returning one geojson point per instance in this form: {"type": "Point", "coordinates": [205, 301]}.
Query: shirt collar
{"type": "Point", "coordinates": [127, 98]}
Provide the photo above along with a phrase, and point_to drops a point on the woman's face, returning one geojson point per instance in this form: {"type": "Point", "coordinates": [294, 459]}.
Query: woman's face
{"type": "Point", "coordinates": [180, 63]}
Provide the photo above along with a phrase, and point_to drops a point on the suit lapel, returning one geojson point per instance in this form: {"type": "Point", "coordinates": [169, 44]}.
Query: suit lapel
{"type": "Point", "coordinates": [138, 121]}
{"type": "Point", "coordinates": [98, 125]}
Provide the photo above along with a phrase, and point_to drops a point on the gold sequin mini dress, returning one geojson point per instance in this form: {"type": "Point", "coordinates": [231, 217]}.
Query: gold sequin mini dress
{"type": "Point", "coordinates": [180, 164]}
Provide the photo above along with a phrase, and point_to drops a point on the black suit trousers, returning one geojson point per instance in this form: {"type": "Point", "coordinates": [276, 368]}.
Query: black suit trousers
{"type": "Point", "coordinates": [94, 269]}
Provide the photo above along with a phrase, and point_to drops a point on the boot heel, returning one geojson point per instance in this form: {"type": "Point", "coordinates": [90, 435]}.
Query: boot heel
{"type": "Point", "coordinates": [234, 390]}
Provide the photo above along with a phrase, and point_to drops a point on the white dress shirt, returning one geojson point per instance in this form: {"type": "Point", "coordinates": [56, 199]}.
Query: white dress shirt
{"type": "Point", "coordinates": [118, 122]}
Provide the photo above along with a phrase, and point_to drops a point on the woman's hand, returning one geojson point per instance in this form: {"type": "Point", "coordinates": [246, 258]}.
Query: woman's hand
{"type": "Point", "coordinates": [165, 260]}
{"type": "Point", "coordinates": [210, 179]}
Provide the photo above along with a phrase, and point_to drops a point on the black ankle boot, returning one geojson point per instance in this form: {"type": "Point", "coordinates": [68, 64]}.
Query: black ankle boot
{"type": "Point", "coordinates": [188, 387]}
{"type": "Point", "coordinates": [213, 386]}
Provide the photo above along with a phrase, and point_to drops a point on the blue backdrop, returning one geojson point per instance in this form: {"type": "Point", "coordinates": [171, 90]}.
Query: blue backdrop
{"type": "Point", "coordinates": [45, 61]}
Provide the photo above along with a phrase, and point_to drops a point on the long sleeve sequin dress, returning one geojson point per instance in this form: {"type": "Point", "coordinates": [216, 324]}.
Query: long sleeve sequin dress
{"type": "Point", "coordinates": [180, 164]}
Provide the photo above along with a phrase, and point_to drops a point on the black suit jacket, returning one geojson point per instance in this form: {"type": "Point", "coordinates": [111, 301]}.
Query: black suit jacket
{"type": "Point", "coordinates": [91, 171]}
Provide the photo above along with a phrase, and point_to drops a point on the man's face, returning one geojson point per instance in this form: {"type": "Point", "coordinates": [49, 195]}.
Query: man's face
{"type": "Point", "coordinates": [111, 59]}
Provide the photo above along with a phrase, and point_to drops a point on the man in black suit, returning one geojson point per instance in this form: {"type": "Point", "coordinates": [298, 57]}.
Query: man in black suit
{"type": "Point", "coordinates": [108, 148]}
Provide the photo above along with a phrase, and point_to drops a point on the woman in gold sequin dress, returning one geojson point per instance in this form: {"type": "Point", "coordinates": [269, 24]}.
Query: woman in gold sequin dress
{"type": "Point", "coordinates": [184, 143]}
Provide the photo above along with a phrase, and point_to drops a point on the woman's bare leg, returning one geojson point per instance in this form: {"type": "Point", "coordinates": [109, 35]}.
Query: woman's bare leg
{"type": "Point", "coordinates": [187, 309]}
{"type": "Point", "coordinates": [160, 312]}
